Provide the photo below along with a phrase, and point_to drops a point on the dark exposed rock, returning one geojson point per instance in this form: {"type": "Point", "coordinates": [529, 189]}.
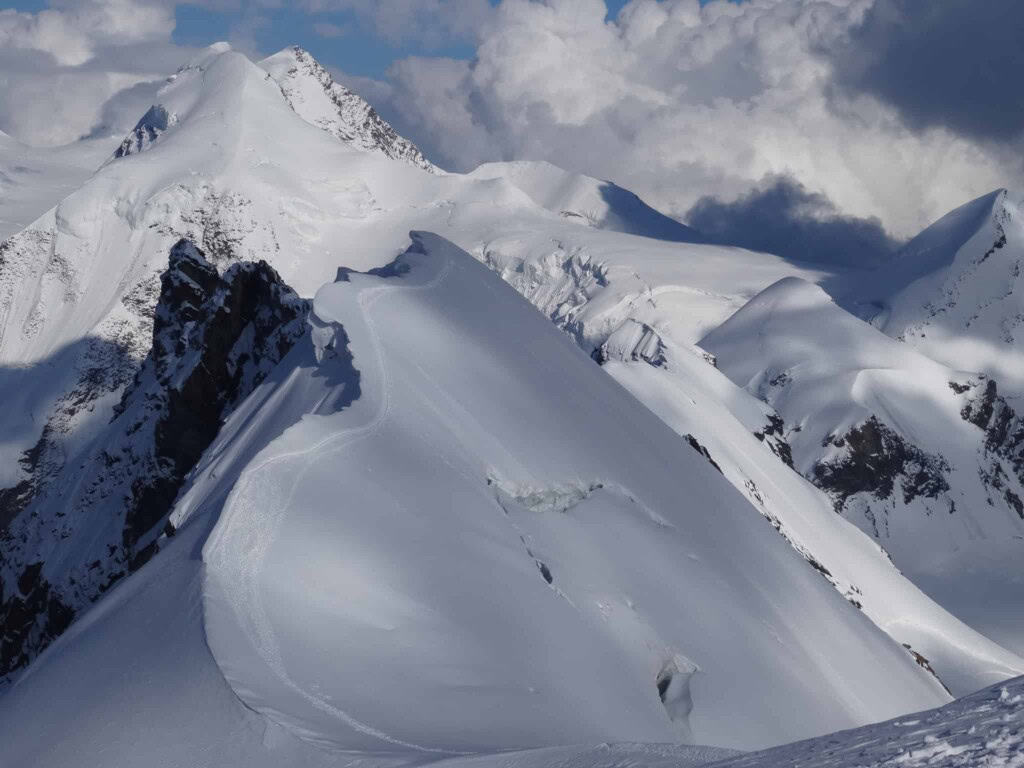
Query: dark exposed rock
{"type": "Point", "coordinates": [1003, 451]}
{"type": "Point", "coordinates": [773, 435]}
{"type": "Point", "coordinates": [152, 124]}
{"type": "Point", "coordinates": [695, 444]}
{"type": "Point", "coordinates": [31, 617]}
{"type": "Point", "coordinates": [215, 338]}
{"type": "Point", "coordinates": [979, 411]}
{"type": "Point", "coordinates": [874, 459]}
{"type": "Point", "coordinates": [925, 664]}
{"type": "Point", "coordinates": [201, 367]}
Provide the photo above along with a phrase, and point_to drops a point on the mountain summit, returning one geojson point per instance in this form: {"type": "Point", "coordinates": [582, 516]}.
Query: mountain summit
{"type": "Point", "coordinates": [318, 99]}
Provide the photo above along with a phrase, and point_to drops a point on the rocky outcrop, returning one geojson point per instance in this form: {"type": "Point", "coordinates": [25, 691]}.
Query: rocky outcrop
{"type": "Point", "coordinates": [1002, 455]}
{"type": "Point", "coordinates": [74, 533]}
{"type": "Point", "coordinates": [876, 460]}
{"type": "Point", "coordinates": [773, 435]}
{"type": "Point", "coordinates": [150, 127]}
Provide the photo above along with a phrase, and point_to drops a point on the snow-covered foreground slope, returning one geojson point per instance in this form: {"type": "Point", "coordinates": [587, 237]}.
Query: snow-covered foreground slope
{"type": "Point", "coordinates": [401, 568]}
{"type": "Point", "coordinates": [924, 458]}
{"type": "Point", "coordinates": [515, 565]}
{"type": "Point", "coordinates": [985, 729]}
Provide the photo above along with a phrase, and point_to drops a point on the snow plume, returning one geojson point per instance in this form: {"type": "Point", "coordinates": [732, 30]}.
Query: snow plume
{"type": "Point", "coordinates": [676, 100]}
{"type": "Point", "coordinates": [781, 216]}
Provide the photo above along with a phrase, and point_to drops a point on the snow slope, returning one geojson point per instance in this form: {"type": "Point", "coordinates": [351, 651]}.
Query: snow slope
{"type": "Point", "coordinates": [921, 457]}
{"type": "Point", "coordinates": [737, 432]}
{"type": "Point", "coordinates": [401, 569]}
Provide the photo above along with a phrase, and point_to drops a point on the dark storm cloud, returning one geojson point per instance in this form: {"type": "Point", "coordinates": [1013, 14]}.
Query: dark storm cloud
{"type": "Point", "coordinates": [949, 63]}
{"type": "Point", "coordinates": [781, 216]}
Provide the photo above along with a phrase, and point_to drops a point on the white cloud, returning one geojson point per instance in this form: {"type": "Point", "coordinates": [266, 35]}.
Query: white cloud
{"type": "Point", "coordinates": [63, 64]}
{"type": "Point", "coordinates": [430, 23]}
{"type": "Point", "coordinates": [678, 101]}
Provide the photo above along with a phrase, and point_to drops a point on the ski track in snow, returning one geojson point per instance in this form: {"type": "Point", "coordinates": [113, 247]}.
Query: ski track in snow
{"type": "Point", "coordinates": [251, 520]}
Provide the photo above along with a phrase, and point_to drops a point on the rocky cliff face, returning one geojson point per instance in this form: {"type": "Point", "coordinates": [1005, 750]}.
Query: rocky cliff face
{"type": "Point", "coordinates": [330, 106]}
{"type": "Point", "coordinates": [75, 528]}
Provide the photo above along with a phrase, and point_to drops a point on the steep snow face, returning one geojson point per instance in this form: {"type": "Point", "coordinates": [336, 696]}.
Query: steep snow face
{"type": "Point", "coordinates": [596, 203]}
{"type": "Point", "coordinates": [956, 292]}
{"type": "Point", "coordinates": [985, 729]}
{"type": "Point", "coordinates": [400, 569]}
{"type": "Point", "coordinates": [319, 100]}
{"type": "Point", "coordinates": [80, 521]}
{"type": "Point", "coordinates": [923, 458]}
{"type": "Point", "coordinates": [445, 541]}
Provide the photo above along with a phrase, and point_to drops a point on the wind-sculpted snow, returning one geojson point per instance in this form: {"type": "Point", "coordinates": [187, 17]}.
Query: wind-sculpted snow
{"type": "Point", "coordinates": [985, 729]}
{"type": "Point", "coordinates": [422, 570]}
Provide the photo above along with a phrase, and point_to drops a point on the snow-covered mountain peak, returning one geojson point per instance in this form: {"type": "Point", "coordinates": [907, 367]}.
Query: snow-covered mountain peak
{"type": "Point", "coordinates": [584, 199]}
{"type": "Point", "coordinates": [318, 99]}
{"type": "Point", "coordinates": [955, 291]}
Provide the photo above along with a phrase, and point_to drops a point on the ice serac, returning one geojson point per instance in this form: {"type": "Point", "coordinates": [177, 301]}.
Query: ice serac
{"type": "Point", "coordinates": [79, 523]}
{"type": "Point", "coordinates": [921, 457]}
{"type": "Point", "coordinates": [424, 571]}
{"type": "Point", "coordinates": [318, 99]}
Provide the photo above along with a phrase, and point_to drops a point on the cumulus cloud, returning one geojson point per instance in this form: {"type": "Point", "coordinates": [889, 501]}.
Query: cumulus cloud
{"type": "Point", "coordinates": [678, 101]}
{"type": "Point", "coordinates": [948, 64]}
{"type": "Point", "coordinates": [82, 65]}
{"type": "Point", "coordinates": [781, 216]}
